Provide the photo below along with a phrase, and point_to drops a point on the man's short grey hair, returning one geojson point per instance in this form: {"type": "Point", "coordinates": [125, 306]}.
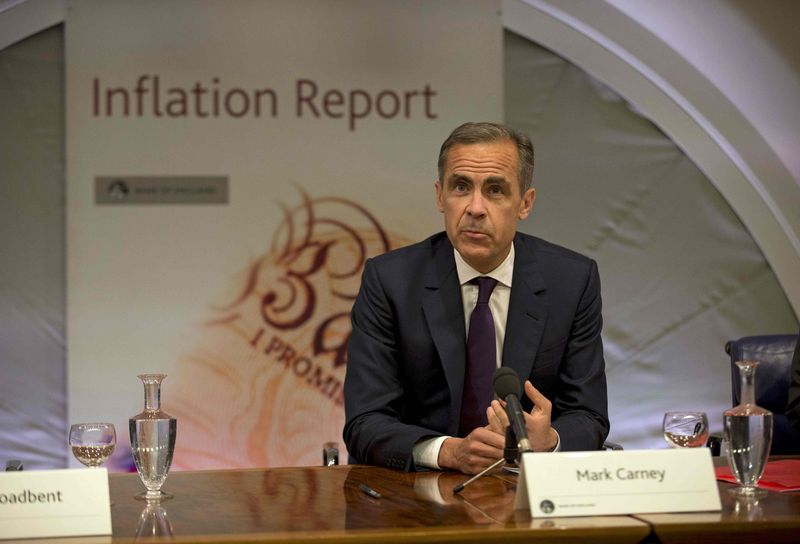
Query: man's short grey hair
{"type": "Point", "coordinates": [481, 133]}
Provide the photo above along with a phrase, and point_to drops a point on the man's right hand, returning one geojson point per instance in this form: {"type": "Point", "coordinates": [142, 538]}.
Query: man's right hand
{"type": "Point", "coordinates": [473, 453]}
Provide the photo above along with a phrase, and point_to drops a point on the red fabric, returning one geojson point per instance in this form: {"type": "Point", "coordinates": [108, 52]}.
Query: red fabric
{"type": "Point", "coordinates": [783, 475]}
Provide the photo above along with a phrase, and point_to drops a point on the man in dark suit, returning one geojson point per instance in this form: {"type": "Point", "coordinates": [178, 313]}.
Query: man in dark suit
{"type": "Point", "coordinates": [411, 397]}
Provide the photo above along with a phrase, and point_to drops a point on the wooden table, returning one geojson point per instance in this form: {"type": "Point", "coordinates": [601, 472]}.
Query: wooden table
{"type": "Point", "coordinates": [315, 504]}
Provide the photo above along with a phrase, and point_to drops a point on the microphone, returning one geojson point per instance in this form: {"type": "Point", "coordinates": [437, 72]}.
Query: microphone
{"type": "Point", "coordinates": [508, 387]}
{"type": "Point", "coordinates": [511, 451]}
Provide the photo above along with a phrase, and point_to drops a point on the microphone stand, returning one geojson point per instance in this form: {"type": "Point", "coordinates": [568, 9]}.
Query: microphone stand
{"type": "Point", "coordinates": [510, 455]}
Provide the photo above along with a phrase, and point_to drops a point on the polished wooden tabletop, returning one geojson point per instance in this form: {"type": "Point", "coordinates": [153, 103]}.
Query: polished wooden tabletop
{"type": "Point", "coordinates": [314, 504]}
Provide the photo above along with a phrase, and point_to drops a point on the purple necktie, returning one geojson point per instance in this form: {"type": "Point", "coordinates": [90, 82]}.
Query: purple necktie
{"type": "Point", "coordinates": [481, 361]}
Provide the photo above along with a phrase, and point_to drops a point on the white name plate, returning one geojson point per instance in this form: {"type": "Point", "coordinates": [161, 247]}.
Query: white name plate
{"type": "Point", "coordinates": [617, 482]}
{"type": "Point", "coordinates": [54, 503]}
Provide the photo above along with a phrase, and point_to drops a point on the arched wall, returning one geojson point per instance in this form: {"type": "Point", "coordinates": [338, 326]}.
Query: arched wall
{"type": "Point", "coordinates": [22, 18]}
{"type": "Point", "coordinates": [744, 144]}
{"type": "Point", "coordinates": [696, 114]}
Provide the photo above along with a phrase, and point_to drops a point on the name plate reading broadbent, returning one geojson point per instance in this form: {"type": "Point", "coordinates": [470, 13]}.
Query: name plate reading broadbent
{"type": "Point", "coordinates": [54, 503]}
{"type": "Point", "coordinates": [161, 190]}
{"type": "Point", "coordinates": [618, 482]}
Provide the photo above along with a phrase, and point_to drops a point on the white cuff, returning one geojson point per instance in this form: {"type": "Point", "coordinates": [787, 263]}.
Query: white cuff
{"type": "Point", "coordinates": [426, 452]}
{"type": "Point", "coordinates": [558, 443]}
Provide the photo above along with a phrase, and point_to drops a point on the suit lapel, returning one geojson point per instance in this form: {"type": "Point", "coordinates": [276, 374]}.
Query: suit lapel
{"type": "Point", "coordinates": [527, 311]}
{"type": "Point", "coordinates": [444, 312]}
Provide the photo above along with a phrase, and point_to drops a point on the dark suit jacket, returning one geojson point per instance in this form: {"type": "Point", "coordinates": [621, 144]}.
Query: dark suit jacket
{"type": "Point", "coordinates": [406, 355]}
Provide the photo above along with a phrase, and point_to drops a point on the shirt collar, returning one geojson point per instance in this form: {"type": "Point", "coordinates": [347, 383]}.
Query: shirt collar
{"type": "Point", "coordinates": [502, 273]}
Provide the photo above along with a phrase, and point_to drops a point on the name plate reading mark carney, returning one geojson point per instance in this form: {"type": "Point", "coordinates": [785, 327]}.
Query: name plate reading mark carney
{"type": "Point", "coordinates": [118, 190]}
{"type": "Point", "coordinates": [54, 503]}
{"type": "Point", "coordinates": [618, 482]}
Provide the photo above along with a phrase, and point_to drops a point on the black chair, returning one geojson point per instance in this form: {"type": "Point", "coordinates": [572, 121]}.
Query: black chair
{"type": "Point", "coordinates": [774, 354]}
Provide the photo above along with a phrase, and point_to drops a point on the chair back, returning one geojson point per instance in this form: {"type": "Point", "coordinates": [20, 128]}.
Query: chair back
{"type": "Point", "coordinates": [774, 353]}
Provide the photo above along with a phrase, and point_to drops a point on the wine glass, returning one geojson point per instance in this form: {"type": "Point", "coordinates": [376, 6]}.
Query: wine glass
{"type": "Point", "coordinates": [92, 443]}
{"type": "Point", "coordinates": [685, 429]}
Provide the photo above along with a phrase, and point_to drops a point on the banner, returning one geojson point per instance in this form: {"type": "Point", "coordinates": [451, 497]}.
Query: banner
{"type": "Point", "coordinates": [230, 167]}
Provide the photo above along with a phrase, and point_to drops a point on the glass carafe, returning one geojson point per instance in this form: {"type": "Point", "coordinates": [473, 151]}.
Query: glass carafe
{"type": "Point", "coordinates": [748, 431]}
{"type": "Point", "coordinates": [152, 439]}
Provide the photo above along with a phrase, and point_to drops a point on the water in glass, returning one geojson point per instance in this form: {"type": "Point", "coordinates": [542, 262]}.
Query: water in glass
{"type": "Point", "coordinates": [685, 429]}
{"type": "Point", "coordinates": [749, 439]}
{"type": "Point", "coordinates": [152, 439]}
{"type": "Point", "coordinates": [92, 443]}
{"type": "Point", "coordinates": [748, 433]}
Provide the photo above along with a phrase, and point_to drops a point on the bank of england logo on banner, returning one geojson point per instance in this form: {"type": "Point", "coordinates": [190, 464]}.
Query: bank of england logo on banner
{"type": "Point", "coordinates": [262, 386]}
{"type": "Point", "coordinates": [118, 189]}
{"type": "Point", "coordinates": [160, 189]}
